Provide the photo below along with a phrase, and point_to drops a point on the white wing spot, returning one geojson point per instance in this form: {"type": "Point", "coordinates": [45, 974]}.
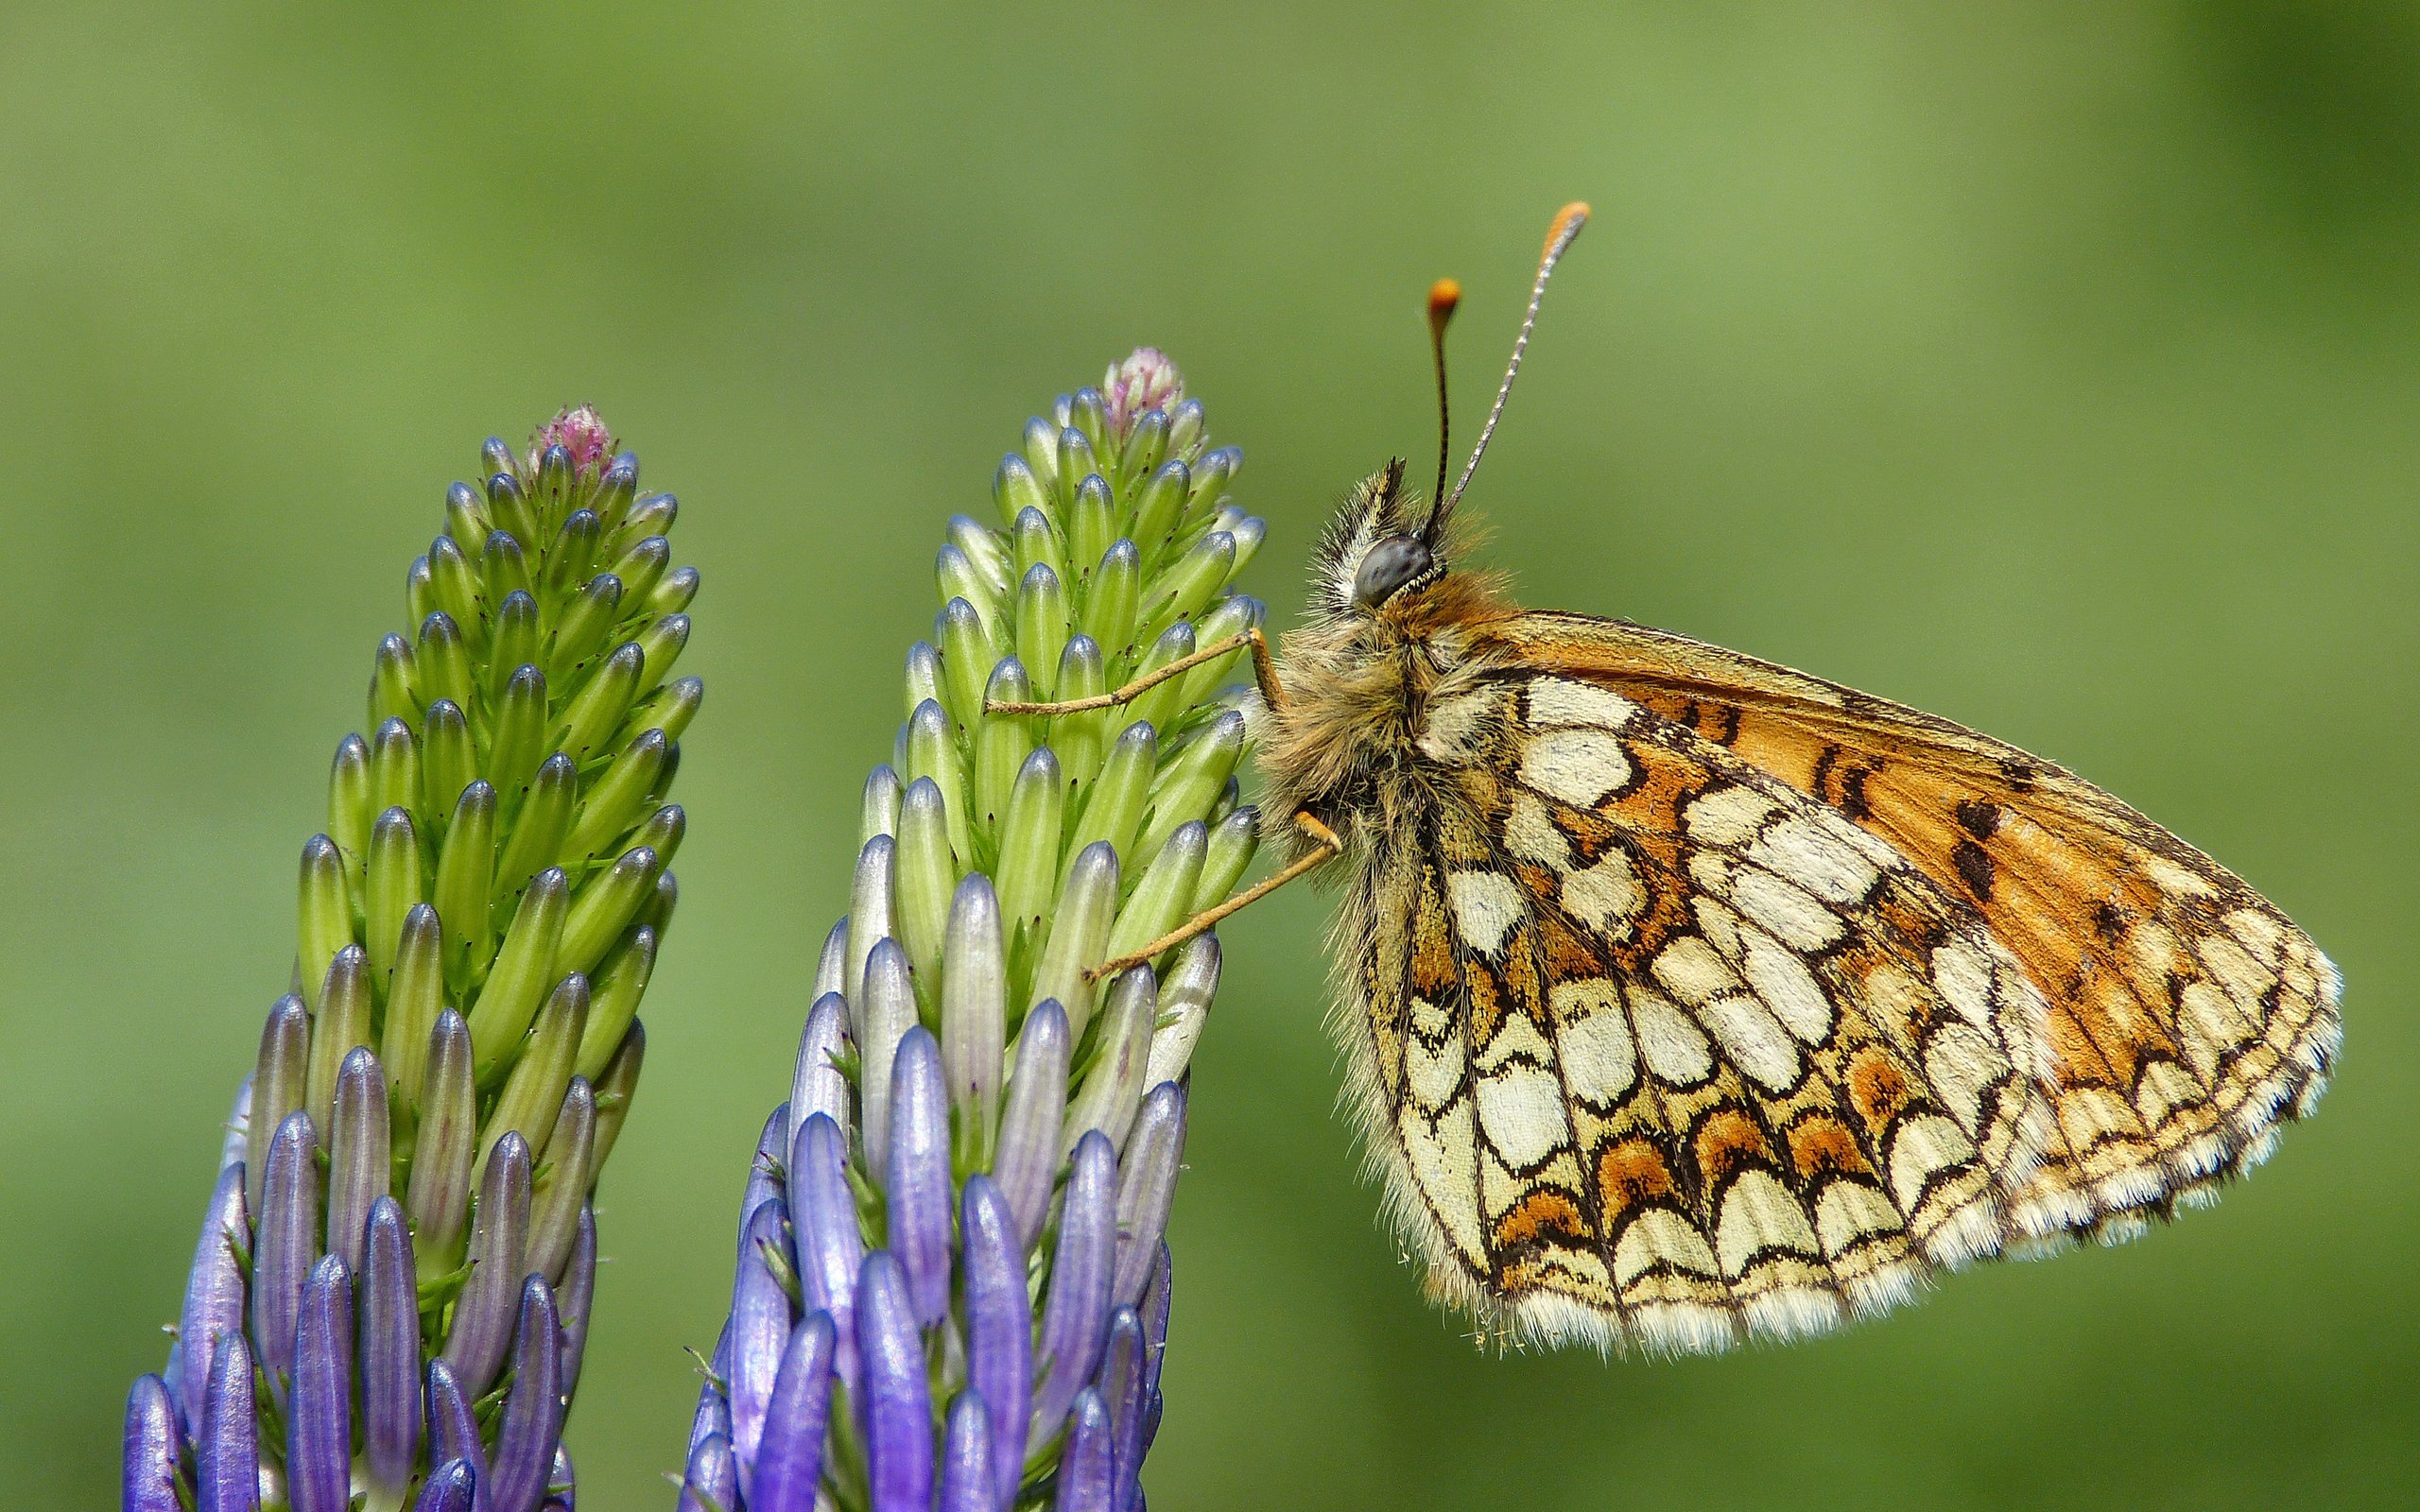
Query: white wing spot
{"type": "Point", "coordinates": [1486, 906]}
{"type": "Point", "coordinates": [1790, 911]}
{"type": "Point", "coordinates": [1579, 767]}
{"type": "Point", "coordinates": [1660, 1234]}
{"type": "Point", "coordinates": [1674, 1047]}
{"type": "Point", "coordinates": [1752, 1041]}
{"type": "Point", "coordinates": [1600, 1058]}
{"type": "Point", "coordinates": [1801, 849]}
{"type": "Point", "coordinates": [1521, 1109]}
{"type": "Point", "coordinates": [1691, 972]}
{"type": "Point", "coordinates": [1604, 894]}
{"type": "Point", "coordinates": [1759, 1213]}
{"type": "Point", "coordinates": [1849, 1212]}
{"type": "Point", "coordinates": [1962, 974]}
{"type": "Point", "coordinates": [1788, 989]}
{"type": "Point", "coordinates": [1455, 727]}
{"type": "Point", "coordinates": [1728, 817]}
{"type": "Point", "coordinates": [1561, 701]}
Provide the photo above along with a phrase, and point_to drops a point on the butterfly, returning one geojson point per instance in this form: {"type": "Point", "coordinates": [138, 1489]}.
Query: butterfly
{"type": "Point", "coordinates": [1690, 1000]}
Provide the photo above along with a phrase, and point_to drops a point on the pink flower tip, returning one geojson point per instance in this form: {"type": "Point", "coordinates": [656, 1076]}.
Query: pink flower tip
{"type": "Point", "coordinates": [1145, 381]}
{"type": "Point", "coordinates": [581, 431]}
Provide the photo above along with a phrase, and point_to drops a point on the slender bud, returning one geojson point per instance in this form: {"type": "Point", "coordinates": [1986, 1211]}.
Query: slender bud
{"type": "Point", "coordinates": [359, 1161]}
{"type": "Point", "coordinates": [524, 970]}
{"type": "Point", "coordinates": [325, 922]}
{"type": "Point", "coordinates": [439, 1198]}
{"type": "Point", "coordinates": [1030, 1120]}
{"type": "Point", "coordinates": [926, 875]}
{"type": "Point", "coordinates": [533, 1094]}
{"type": "Point", "coordinates": [483, 1318]}
{"type": "Point", "coordinates": [563, 1185]}
{"type": "Point", "coordinates": [1080, 934]}
{"type": "Point", "coordinates": [974, 1008]}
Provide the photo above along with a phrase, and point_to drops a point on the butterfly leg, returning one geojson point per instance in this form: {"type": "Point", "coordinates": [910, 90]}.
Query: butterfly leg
{"type": "Point", "coordinates": [1325, 847]}
{"type": "Point", "coordinates": [1264, 668]}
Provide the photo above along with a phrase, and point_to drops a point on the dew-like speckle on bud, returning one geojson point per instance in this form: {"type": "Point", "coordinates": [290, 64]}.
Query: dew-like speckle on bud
{"type": "Point", "coordinates": [1145, 381]}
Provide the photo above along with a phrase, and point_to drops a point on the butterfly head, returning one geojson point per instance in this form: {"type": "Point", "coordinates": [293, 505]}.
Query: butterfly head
{"type": "Point", "coordinates": [1383, 551]}
{"type": "Point", "coordinates": [1378, 552]}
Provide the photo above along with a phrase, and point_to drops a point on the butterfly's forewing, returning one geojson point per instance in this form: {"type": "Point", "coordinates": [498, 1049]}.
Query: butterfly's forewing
{"type": "Point", "coordinates": [2186, 1015]}
{"type": "Point", "coordinates": [1661, 1049]}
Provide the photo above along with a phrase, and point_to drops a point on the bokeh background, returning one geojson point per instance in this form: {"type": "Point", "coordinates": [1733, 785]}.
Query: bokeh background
{"type": "Point", "coordinates": [2052, 368]}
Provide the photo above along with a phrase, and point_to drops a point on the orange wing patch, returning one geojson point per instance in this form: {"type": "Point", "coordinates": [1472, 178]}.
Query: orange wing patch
{"type": "Point", "coordinates": [2187, 1017]}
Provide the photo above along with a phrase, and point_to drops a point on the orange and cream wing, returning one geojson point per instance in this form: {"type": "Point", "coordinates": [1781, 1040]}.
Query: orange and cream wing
{"type": "Point", "coordinates": [2186, 1016]}
{"type": "Point", "coordinates": [1655, 1048]}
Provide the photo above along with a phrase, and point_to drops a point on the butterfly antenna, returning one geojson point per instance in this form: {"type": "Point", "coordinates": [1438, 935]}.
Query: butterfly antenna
{"type": "Point", "coordinates": [1443, 296]}
{"type": "Point", "coordinates": [1559, 238]}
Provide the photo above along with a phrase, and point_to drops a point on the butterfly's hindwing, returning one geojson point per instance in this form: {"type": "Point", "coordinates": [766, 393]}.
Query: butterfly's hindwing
{"type": "Point", "coordinates": [1665, 1051]}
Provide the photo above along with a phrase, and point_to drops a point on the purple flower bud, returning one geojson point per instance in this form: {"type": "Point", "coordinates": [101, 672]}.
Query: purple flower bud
{"type": "Point", "coordinates": [389, 1347]}
{"type": "Point", "coordinates": [483, 1318]}
{"type": "Point", "coordinates": [447, 1490]}
{"type": "Point", "coordinates": [968, 1481]}
{"type": "Point", "coordinates": [572, 1297]}
{"type": "Point", "coordinates": [153, 1446]}
{"type": "Point", "coordinates": [760, 1322]}
{"type": "Point", "coordinates": [1088, 1463]}
{"type": "Point", "coordinates": [287, 1245]}
{"type": "Point", "coordinates": [358, 1167]}
{"type": "Point", "coordinates": [1147, 1190]}
{"type": "Point", "coordinates": [1121, 1389]}
{"type": "Point", "coordinates": [816, 1086]}
{"type": "Point", "coordinates": [897, 1401]}
{"type": "Point", "coordinates": [999, 1327]}
{"type": "Point", "coordinates": [213, 1295]}
{"type": "Point", "coordinates": [1155, 1320]}
{"type": "Point", "coordinates": [319, 1414]}
{"type": "Point", "coordinates": [713, 1481]}
{"type": "Point", "coordinates": [1030, 1121]}
{"type": "Point", "coordinates": [829, 1250]}
{"type": "Point", "coordinates": [712, 1416]}
{"type": "Point", "coordinates": [917, 1176]}
{"type": "Point", "coordinates": [790, 1458]}
{"type": "Point", "coordinates": [563, 1483]}
{"type": "Point", "coordinates": [533, 1414]}
{"type": "Point", "coordinates": [227, 1461]}
{"type": "Point", "coordinates": [888, 1011]}
{"type": "Point", "coordinates": [453, 1432]}
{"type": "Point", "coordinates": [765, 1172]}
{"type": "Point", "coordinates": [1075, 1316]}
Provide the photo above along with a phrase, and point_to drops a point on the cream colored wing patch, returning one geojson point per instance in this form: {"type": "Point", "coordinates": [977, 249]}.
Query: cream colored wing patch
{"type": "Point", "coordinates": [1654, 1049]}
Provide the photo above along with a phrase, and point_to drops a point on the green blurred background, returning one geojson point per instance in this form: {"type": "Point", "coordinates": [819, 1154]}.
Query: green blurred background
{"type": "Point", "coordinates": [2051, 367]}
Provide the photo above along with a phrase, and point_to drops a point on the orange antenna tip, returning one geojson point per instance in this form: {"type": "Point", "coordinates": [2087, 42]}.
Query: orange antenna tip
{"type": "Point", "coordinates": [1443, 296]}
{"type": "Point", "coordinates": [1567, 222]}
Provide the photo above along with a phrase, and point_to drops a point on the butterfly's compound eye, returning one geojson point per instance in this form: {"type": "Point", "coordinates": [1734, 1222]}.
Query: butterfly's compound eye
{"type": "Point", "coordinates": [1391, 564]}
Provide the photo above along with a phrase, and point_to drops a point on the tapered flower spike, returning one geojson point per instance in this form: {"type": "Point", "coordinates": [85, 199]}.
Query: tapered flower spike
{"type": "Point", "coordinates": [402, 1217]}
{"type": "Point", "coordinates": [951, 1287]}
